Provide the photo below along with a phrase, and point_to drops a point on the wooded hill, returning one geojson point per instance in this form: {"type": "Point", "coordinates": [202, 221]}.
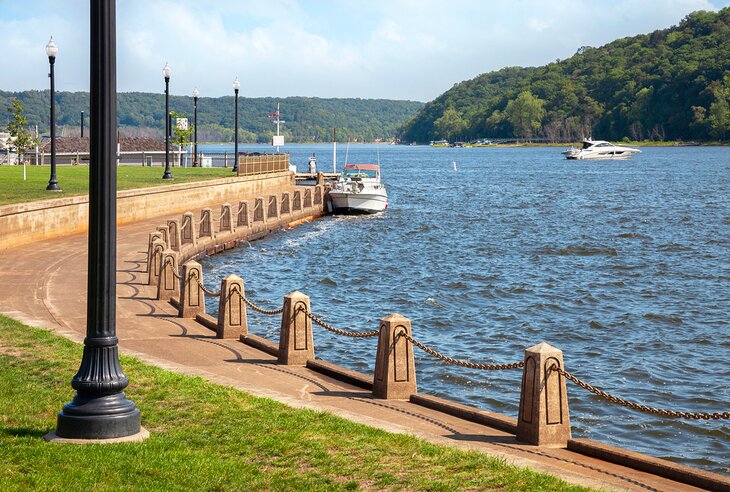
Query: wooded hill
{"type": "Point", "coordinates": [672, 84]}
{"type": "Point", "coordinates": [307, 119]}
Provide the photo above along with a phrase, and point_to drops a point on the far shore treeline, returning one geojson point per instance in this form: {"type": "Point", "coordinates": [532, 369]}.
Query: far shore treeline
{"type": "Point", "coordinates": [672, 84]}
{"type": "Point", "coordinates": [308, 119]}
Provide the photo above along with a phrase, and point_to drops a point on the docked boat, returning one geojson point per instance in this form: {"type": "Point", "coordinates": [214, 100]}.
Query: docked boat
{"type": "Point", "coordinates": [599, 149]}
{"type": "Point", "coordinates": [358, 190]}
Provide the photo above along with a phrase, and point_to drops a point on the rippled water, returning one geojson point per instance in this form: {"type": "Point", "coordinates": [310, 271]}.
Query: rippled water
{"type": "Point", "coordinates": [625, 266]}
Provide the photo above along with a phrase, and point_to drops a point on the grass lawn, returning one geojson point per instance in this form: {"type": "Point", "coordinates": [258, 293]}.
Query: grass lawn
{"type": "Point", "coordinates": [209, 437]}
{"type": "Point", "coordinates": [74, 180]}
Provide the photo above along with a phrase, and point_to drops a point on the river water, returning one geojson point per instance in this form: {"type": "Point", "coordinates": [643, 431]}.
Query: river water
{"type": "Point", "coordinates": [624, 266]}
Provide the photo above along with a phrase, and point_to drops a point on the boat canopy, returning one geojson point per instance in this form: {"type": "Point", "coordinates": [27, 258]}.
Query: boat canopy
{"type": "Point", "coordinates": [361, 170]}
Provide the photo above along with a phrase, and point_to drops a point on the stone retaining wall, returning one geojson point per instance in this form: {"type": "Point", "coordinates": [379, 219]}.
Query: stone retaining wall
{"type": "Point", "coordinates": [25, 223]}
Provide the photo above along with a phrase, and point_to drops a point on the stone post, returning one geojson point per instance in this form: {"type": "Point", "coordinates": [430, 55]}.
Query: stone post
{"type": "Point", "coordinates": [187, 230]}
{"type": "Point", "coordinates": [154, 236]}
{"type": "Point", "coordinates": [169, 284]}
{"type": "Point", "coordinates": [258, 210]}
{"type": "Point", "coordinates": [173, 226]}
{"type": "Point", "coordinates": [154, 262]}
{"type": "Point", "coordinates": [226, 224]}
{"type": "Point", "coordinates": [232, 322]}
{"type": "Point", "coordinates": [307, 198]}
{"type": "Point", "coordinates": [206, 224]}
{"type": "Point", "coordinates": [318, 195]}
{"type": "Point", "coordinates": [242, 216]}
{"type": "Point", "coordinates": [296, 343]}
{"type": "Point", "coordinates": [395, 369]}
{"type": "Point", "coordinates": [192, 297]}
{"type": "Point", "coordinates": [273, 209]}
{"type": "Point", "coordinates": [297, 201]}
{"type": "Point", "coordinates": [543, 416]}
{"type": "Point", "coordinates": [164, 229]}
{"type": "Point", "coordinates": [320, 178]}
{"type": "Point", "coordinates": [285, 204]}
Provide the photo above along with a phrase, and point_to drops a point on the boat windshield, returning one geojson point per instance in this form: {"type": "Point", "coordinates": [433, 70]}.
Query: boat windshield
{"type": "Point", "coordinates": [359, 173]}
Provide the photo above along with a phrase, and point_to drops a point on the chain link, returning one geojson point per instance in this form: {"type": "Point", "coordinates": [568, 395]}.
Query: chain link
{"type": "Point", "coordinates": [255, 307]}
{"type": "Point", "coordinates": [169, 263]}
{"type": "Point", "coordinates": [457, 362]}
{"type": "Point", "coordinates": [639, 407]}
{"type": "Point", "coordinates": [194, 276]}
{"type": "Point", "coordinates": [327, 326]}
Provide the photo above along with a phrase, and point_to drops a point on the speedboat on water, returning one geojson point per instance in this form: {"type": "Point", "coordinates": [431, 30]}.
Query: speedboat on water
{"type": "Point", "coordinates": [358, 190]}
{"type": "Point", "coordinates": [600, 149]}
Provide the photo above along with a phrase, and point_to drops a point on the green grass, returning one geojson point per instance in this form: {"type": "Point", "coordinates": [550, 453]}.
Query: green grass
{"type": "Point", "coordinates": [210, 437]}
{"type": "Point", "coordinates": [74, 180]}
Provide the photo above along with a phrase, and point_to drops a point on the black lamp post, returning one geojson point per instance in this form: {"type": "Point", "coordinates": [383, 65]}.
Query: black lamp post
{"type": "Point", "coordinates": [100, 409]}
{"type": "Point", "coordinates": [236, 87]}
{"type": "Point", "coordinates": [167, 72]}
{"type": "Point", "coordinates": [82, 124]}
{"type": "Point", "coordinates": [52, 51]}
{"type": "Point", "coordinates": [196, 93]}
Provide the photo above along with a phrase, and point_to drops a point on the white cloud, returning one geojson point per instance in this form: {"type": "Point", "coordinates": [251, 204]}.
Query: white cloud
{"type": "Point", "coordinates": [405, 49]}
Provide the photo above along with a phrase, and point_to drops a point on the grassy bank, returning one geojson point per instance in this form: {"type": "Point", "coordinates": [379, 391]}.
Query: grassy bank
{"type": "Point", "coordinates": [74, 180]}
{"type": "Point", "coordinates": [209, 437]}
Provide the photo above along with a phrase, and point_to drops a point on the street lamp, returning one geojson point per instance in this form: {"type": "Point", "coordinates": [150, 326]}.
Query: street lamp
{"type": "Point", "coordinates": [196, 93]}
{"type": "Point", "coordinates": [236, 87]}
{"type": "Point", "coordinates": [167, 72]}
{"type": "Point", "coordinates": [100, 409]}
{"type": "Point", "coordinates": [52, 51]}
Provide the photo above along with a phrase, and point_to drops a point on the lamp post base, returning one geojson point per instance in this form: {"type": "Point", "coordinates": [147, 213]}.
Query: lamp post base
{"type": "Point", "coordinates": [103, 417]}
{"type": "Point", "coordinates": [167, 175]}
{"type": "Point", "coordinates": [53, 186]}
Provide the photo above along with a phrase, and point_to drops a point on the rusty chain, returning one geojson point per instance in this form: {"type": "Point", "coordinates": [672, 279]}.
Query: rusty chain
{"type": "Point", "coordinates": [638, 406]}
{"type": "Point", "coordinates": [257, 308]}
{"type": "Point", "coordinates": [457, 362]}
{"type": "Point", "coordinates": [168, 262]}
{"type": "Point", "coordinates": [327, 326]}
{"type": "Point", "coordinates": [193, 275]}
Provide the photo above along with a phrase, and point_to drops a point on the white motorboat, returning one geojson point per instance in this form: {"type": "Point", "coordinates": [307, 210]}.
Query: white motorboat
{"type": "Point", "coordinates": [358, 190]}
{"type": "Point", "coordinates": [599, 149]}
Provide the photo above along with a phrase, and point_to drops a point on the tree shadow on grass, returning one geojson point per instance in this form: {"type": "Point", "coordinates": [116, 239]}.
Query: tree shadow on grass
{"type": "Point", "coordinates": [22, 432]}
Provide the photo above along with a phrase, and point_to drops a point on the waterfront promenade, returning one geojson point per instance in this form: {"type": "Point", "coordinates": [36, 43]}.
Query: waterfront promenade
{"type": "Point", "coordinates": [44, 284]}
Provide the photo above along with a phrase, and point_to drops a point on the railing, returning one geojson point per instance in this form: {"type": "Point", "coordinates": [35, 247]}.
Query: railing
{"type": "Point", "coordinates": [543, 416]}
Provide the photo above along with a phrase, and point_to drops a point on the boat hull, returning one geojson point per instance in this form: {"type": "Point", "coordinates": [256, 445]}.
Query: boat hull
{"type": "Point", "coordinates": [357, 203]}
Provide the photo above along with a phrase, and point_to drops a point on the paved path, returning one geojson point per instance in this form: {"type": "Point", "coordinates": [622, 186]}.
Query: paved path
{"type": "Point", "coordinates": [45, 284]}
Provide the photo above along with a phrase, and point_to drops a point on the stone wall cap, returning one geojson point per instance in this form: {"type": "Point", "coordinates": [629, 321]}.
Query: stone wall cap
{"type": "Point", "coordinates": [395, 317]}
{"type": "Point", "coordinates": [542, 348]}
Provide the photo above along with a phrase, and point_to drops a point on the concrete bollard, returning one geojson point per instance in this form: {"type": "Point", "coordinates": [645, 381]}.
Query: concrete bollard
{"type": "Point", "coordinates": [173, 225]}
{"type": "Point", "coordinates": [318, 195]}
{"type": "Point", "coordinates": [297, 201]}
{"type": "Point", "coordinates": [206, 224]}
{"type": "Point", "coordinates": [308, 198]}
{"type": "Point", "coordinates": [296, 343]}
{"type": "Point", "coordinates": [273, 209]}
{"type": "Point", "coordinates": [154, 262]}
{"type": "Point", "coordinates": [187, 230]}
{"type": "Point", "coordinates": [169, 284]}
{"type": "Point", "coordinates": [226, 224]}
{"type": "Point", "coordinates": [258, 210]}
{"type": "Point", "coordinates": [543, 418]}
{"type": "Point", "coordinates": [154, 236]}
{"type": "Point", "coordinates": [232, 322]}
{"type": "Point", "coordinates": [164, 229]}
{"type": "Point", "coordinates": [285, 204]}
{"type": "Point", "coordinates": [192, 297]}
{"type": "Point", "coordinates": [395, 369]}
{"type": "Point", "coordinates": [242, 216]}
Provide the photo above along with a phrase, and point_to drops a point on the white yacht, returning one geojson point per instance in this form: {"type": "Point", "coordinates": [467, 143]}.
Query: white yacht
{"type": "Point", "coordinates": [358, 190]}
{"type": "Point", "coordinates": [599, 149]}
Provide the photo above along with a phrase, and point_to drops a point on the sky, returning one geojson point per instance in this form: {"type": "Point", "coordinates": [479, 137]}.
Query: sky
{"type": "Point", "coordinates": [390, 49]}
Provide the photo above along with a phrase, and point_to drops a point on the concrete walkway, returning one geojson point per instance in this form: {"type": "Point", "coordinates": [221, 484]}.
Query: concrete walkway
{"type": "Point", "coordinates": [45, 285]}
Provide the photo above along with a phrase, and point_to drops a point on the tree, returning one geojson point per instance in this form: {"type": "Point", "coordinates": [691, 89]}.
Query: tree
{"type": "Point", "coordinates": [182, 131]}
{"type": "Point", "coordinates": [450, 124]}
{"type": "Point", "coordinates": [718, 117]}
{"type": "Point", "coordinates": [18, 130]}
{"type": "Point", "coordinates": [525, 114]}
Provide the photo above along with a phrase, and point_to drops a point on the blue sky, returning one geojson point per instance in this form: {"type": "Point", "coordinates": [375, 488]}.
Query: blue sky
{"type": "Point", "coordinates": [395, 49]}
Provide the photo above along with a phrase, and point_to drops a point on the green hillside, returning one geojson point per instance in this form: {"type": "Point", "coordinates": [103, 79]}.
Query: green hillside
{"type": "Point", "coordinates": [307, 119]}
{"type": "Point", "coordinates": [671, 84]}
